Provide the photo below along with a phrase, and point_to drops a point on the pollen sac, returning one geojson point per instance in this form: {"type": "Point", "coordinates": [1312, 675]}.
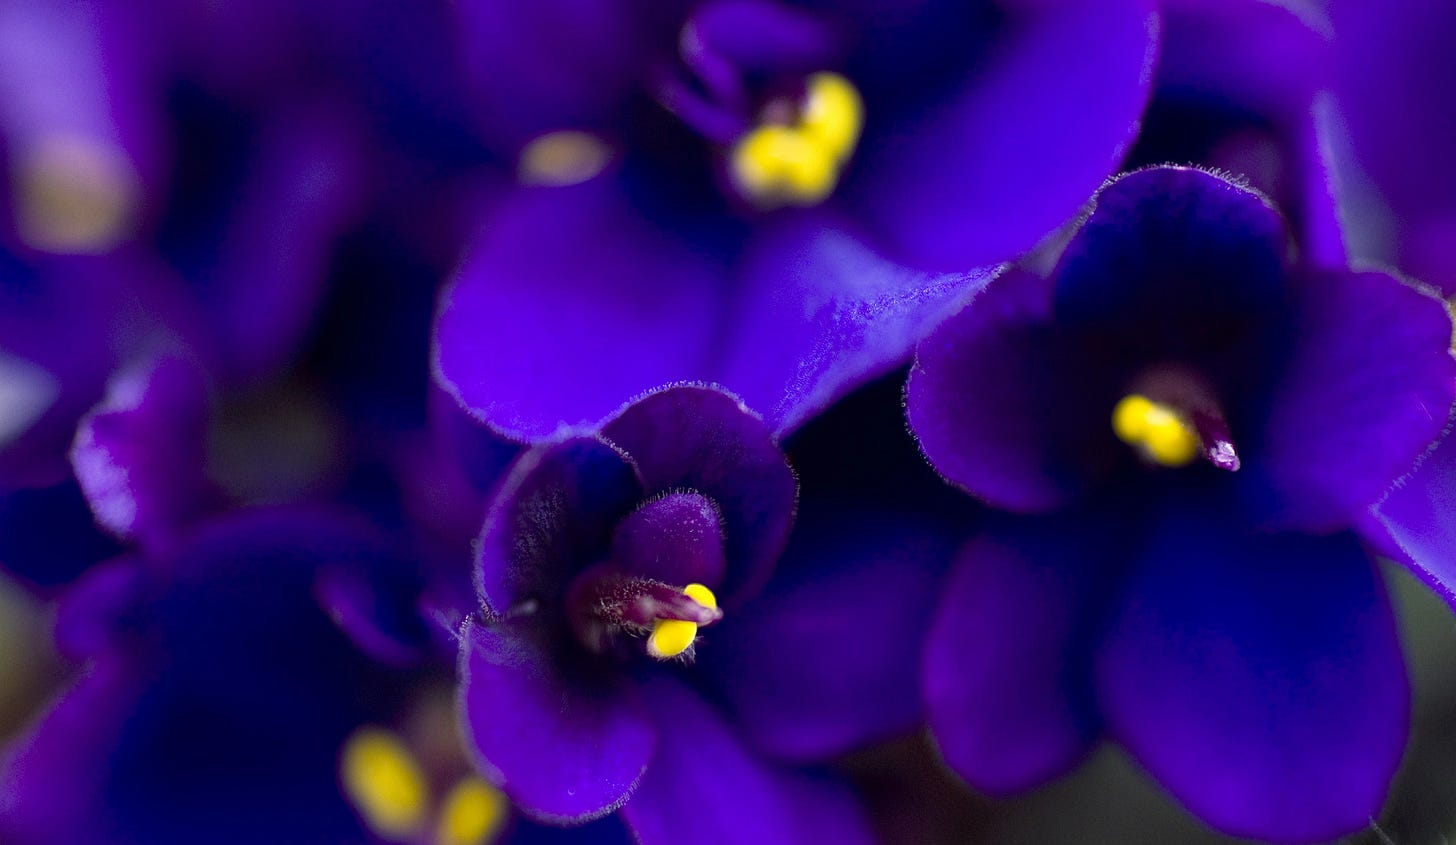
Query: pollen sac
{"type": "Point", "coordinates": [799, 162]}
{"type": "Point", "coordinates": [74, 195]}
{"type": "Point", "coordinates": [384, 782]}
{"type": "Point", "coordinates": [1156, 430]}
{"type": "Point", "coordinates": [471, 813]}
{"type": "Point", "coordinates": [562, 158]}
{"type": "Point", "coordinates": [672, 637]}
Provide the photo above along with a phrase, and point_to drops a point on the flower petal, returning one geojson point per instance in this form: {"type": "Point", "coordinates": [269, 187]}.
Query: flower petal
{"type": "Point", "coordinates": [1006, 664]}
{"type": "Point", "coordinates": [1367, 388]}
{"type": "Point", "coordinates": [704, 786]}
{"type": "Point", "coordinates": [552, 516]}
{"type": "Point", "coordinates": [570, 305]}
{"type": "Point", "coordinates": [1420, 516]}
{"type": "Point", "coordinates": [1258, 677]}
{"type": "Point", "coordinates": [703, 439]}
{"type": "Point", "coordinates": [563, 749]}
{"type": "Point", "coordinates": [982, 176]}
{"type": "Point", "coordinates": [676, 539]}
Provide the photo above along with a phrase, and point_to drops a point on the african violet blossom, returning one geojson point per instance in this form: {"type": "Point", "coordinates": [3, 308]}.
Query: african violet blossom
{"type": "Point", "coordinates": [1197, 422]}
{"type": "Point", "coordinates": [602, 557]}
{"type": "Point", "coordinates": [729, 190]}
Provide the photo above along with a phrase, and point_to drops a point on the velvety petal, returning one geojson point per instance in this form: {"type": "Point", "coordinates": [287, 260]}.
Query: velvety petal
{"type": "Point", "coordinates": [48, 535]}
{"type": "Point", "coordinates": [552, 516]}
{"type": "Point", "coordinates": [704, 786]}
{"type": "Point", "coordinates": [562, 749]}
{"type": "Point", "coordinates": [761, 37]}
{"type": "Point", "coordinates": [818, 313]}
{"type": "Point", "coordinates": [824, 661]}
{"type": "Point", "coordinates": [702, 439]}
{"type": "Point", "coordinates": [676, 538]}
{"type": "Point", "coordinates": [570, 305]}
{"type": "Point", "coordinates": [95, 613]}
{"type": "Point", "coordinates": [1021, 142]}
{"type": "Point", "coordinates": [140, 454]}
{"type": "Point", "coordinates": [1258, 677]}
{"type": "Point", "coordinates": [1420, 516]}
{"type": "Point", "coordinates": [1001, 409]}
{"type": "Point", "coordinates": [377, 603]}
{"type": "Point", "coordinates": [1173, 259]}
{"type": "Point", "coordinates": [1367, 388]}
{"type": "Point", "coordinates": [1006, 667]}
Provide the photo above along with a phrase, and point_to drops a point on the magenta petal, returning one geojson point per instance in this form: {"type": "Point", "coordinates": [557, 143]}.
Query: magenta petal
{"type": "Point", "coordinates": [1005, 670]}
{"type": "Point", "coordinates": [983, 176]}
{"type": "Point", "coordinates": [676, 539]}
{"type": "Point", "coordinates": [563, 750]}
{"type": "Point", "coordinates": [552, 516]}
{"type": "Point", "coordinates": [1259, 678]}
{"type": "Point", "coordinates": [702, 439]}
{"type": "Point", "coordinates": [704, 787]}
{"type": "Point", "coordinates": [998, 409]}
{"type": "Point", "coordinates": [140, 454]}
{"type": "Point", "coordinates": [1368, 388]}
{"type": "Point", "coordinates": [570, 305]}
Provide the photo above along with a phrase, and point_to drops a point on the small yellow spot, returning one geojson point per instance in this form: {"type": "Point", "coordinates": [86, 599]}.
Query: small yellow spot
{"type": "Point", "coordinates": [472, 813]}
{"type": "Point", "coordinates": [73, 195]}
{"type": "Point", "coordinates": [799, 163]}
{"type": "Point", "coordinates": [384, 782]}
{"type": "Point", "coordinates": [1158, 431]}
{"type": "Point", "coordinates": [562, 158]}
{"type": "Point", "coordinates": [671, 637]}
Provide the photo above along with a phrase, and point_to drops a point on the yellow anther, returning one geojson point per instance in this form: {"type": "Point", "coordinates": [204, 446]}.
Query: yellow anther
{"type": "Point", "coordinates": [73, 195]}
{"type": "Point", "coordinates": [1157, 430]}
{"type": "Point", "coordinates": [472, 813]}
{"type": "Point", "coordinates": [671, 637]}
{"type": "Point", "coordinates": [562, 158]}
{"type": "Point", "coordinates": [833, 113]}
{"type": "Point", "coordinates": [384, 783]}
{"type": "Point", "coordinates": [782, 165]}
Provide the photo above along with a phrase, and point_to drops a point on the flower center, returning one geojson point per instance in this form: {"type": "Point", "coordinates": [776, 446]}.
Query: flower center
{"type": "Point", "coordinates": [795, 156]}
{"type": "Point", "coordinates": [1173, 419]}
{"type": "Point", "coordinates": [1157, 431]}
{"type": "Point", "coordinates": [605, 605]}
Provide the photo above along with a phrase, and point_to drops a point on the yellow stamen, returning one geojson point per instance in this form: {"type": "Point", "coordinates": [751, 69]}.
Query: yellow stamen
{"type": "Point", "coordinates": [472, 813]}
{"type": "Point", "coordinates": [833, 113]}
{"type": "Point", "coordinates": [799, 163]}
{"type": "Point", "coordinates": [1157, 430]}
{"type": "Point", "coordinates": [671, 637]}
{"type": "Point", "coordinates": [562, 158]}
{"type": "Point", "coordinates": [74, 195]}
{"type": "Point", "coordinates": [384, 783]}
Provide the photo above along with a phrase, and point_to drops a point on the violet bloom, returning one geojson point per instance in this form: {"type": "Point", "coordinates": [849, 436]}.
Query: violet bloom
{"type": "Point", "coordinates": [1197, 422]}
{"type": "Point", "coordinates": [602, 559]}
{"type": "Point", "coordinates": [730, 190]}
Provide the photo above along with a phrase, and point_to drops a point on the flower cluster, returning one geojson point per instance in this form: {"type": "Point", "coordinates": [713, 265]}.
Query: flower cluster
{"type": "Point", "coordinates": [725, 421]}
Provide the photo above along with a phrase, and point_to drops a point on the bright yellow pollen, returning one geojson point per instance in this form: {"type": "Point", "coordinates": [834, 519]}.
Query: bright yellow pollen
{"type": "Point", "coordinates": [799, 164]}
{"type": "Point", "coordinates": [384, 783]}
{"type": "Point", "coordinates": [472, 813]}
{"type": "Point", "coordinates": [73, 195]}
{"type": "Point", "coordinates": [562, 158]}
{"type": "Point", "coordinates": [833, 113]}
{"type": "Point", "coordinates": [1155, 429]}
{"type": "Point", "coordinates": [671, 637]}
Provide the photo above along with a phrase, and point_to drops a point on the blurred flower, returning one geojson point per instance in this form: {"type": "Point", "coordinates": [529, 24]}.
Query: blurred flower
{"type": "Point", "coordinates": [732, 190]}
{"type": "Point", "coordinates": [1201, 423]}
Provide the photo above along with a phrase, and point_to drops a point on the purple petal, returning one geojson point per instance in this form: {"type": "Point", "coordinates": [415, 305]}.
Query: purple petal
{"type": "Point", "coordinates": [92, 616]}
{"type": "Point", "coordinates": [1420, 516]}
{"type": "Point", "coordinates": [819, 314]}
{"type": "Point", "coordinates": [820, 664]}
{"type": "Point", "coordinates": [570, 305]}
{"type": "Point", "coordinates": [1170, 257]}
{"type": "Point", "coordinates": [676, 539]}
{"type": "Point", "coordinates": [1259, 678]}
{"type": "Point", "coordinates": [1367, 388]}
{"type": "Point", "coordinates": [376, 603]}
{"type": "Point", "coordinates": [703, 786]}
{"type": "Point", "coordinates": [551, 518]}
{"type": "Point", "coordinates": [702, 439]}
{"type": "Point", "coordinates": [563, 750]}
{"type": "Point", "coordinates": [1006, 664]}
{"type": "Point", "coordinates": [982, 176]}
{"type": "Point", "coordinates": [140, 454]}
{"type": "Point", "coordinates": [1000, 407]}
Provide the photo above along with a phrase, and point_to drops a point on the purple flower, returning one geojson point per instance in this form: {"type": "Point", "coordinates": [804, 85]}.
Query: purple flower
{"type": "Point", "coordinates": [732, 190]}
{"type": "Point", "coordinates": [1198, 423]}
{"type": "Point", "coordinates": [604, 564]}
